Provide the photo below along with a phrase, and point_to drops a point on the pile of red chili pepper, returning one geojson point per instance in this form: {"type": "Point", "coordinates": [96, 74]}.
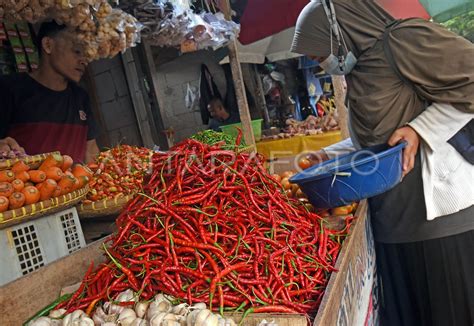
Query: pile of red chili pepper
{"type": "Point", "coordinates": [213, 226]}
{"type": "Point", "coordinates": [118, 172]}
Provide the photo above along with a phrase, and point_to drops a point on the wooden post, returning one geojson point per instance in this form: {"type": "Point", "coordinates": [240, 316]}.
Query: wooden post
{"type": "Point", "coordinates": [339, 97]}
{"type": "Point", "coordinates": [244, 111]}
{"type": "Point", "coordinates": [260, 96]}
{"type": "Point", "coordinates": [152, 71]}
{"type": "Point", "coordinates": [144, 121]}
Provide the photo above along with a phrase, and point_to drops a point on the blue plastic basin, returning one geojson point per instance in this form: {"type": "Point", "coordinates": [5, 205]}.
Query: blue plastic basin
{"type": "Point", "coordinates": [350, 178]}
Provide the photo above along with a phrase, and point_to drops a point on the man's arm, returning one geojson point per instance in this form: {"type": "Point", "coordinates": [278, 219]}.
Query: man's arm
{"type": "Point", "coordinates": [92, 150]}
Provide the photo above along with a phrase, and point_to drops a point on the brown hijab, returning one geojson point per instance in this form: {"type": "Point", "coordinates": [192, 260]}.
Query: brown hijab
{"type": "Point", "coordinates": [439, 63]}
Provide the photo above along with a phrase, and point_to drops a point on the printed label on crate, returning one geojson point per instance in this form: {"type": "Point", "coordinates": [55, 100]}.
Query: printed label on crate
{"type": "Point", "coordinates": [357, 300]}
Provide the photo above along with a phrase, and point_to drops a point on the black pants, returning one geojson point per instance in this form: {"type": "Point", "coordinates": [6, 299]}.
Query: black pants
{"type": "Point", "coordinates": [427, 282]}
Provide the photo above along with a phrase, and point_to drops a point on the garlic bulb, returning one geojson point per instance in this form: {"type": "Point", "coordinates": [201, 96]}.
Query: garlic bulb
{"type": "Point", "coordinates": [141, 308]}
{"type": "Point", "coordinates": [139, 322]}
{"type": "Point", "coordinates": [157, 307]}
{"type": "Point", "coordinates": [181, 309]}
{"type": "Point", "coordinates": [86, 321]}
{"type": "Point", "coordinates": [128, 321]}
{"type": "Point", "coordinates": [42, 321]}
{"type": "Point", "coordinates": [158, 319]}
{"type": "Point", "coordinates": [127, 313]}
{"type": "Point", "coordinates": [57, 313]}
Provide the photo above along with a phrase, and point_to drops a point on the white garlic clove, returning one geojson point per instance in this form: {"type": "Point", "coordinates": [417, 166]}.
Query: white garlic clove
{"type": "Point", "coordinates": [171, 323]}
{"type": "Point", "coordinates": [112, 309]}
{"type": "Point", "coordinates": [77, 314]}
{"type": "Point", "coordinates": [211, 320]}
{"type": "Point", "coordinates": [86, 321]}
{"type": "Point", "coordinates": [127, 321]}
{"type": "Point", "coordinates": [126, 296]}
{"type": "Point", "coordinates": [109, 324]}
{"type": "Point", "coordinates": [181, 309]}
{"type": "Point", "coordinates": [42, 321]}
{"type": "Point", "coordinates": [201, 317]}
{"type": "Point", "coordinates": [141, 308]}
{"type": "Point", "coordinates": [67, 320]}
{"type": "Point", "coordinates": [191, 317]}
{"type": "Point", "coordinates": [139, 322]}
{"type": "Point", "coordinates": [198, 306]}
{"type": "Point", "coordinates": [57, 313]}
{"type": "Point", "coordinates": [127, 313]}
{"type": "Point", "coordinates": [99, 316]}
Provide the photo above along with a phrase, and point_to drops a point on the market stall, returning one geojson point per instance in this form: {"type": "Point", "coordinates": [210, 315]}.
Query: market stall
{"type": "Point", "coordinates": [298, 144]}
{"type": "Point", "coordinates": [204, 233]}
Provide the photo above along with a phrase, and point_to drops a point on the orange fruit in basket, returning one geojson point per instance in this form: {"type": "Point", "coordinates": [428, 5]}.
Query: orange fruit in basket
{"type": "Point", "coordinates": [344, 210]}
{"type": "Point", "coordinates": [81, 170]}
{"type": "Point", "coordinates": [32, 195]}
{"type": "Point", "coordinates": [20, 167]}
{"type": "Point", "coordinates": [287, 174]}
{"type": "Point", "coordinates": [18, 185]}
{"type": "Point", "coordinates": [67, 163]}
{"type": "Point", "coordinates": [285, 183]}
{"type": "Point", "coordinates": [276, 177]}
{"type": "Point", "coordinates": [6, 189]}
{"type": "Point", "coordinates": [57, 192]}
{"type": "Point", "coordinates": [47, 189]}
{"type": "Point", "coordinates": [4, 203]}
{"type": "Point", "coordinates": [52, 160]}
{"type": "Point", "coordinates": [37, 176]}
{"type": "Point", "coordinates": [304, 163]}
{"type": "Point", "coordinates": [54, 173]}
{"type": "Point", "coordinates": [67, 184]}
{"type": "Point", "coordinates": [7, 176]}
{"type": "Point", "coordinates": [23, 176]}
{"type": "Point", "coordinates": [16, 200]}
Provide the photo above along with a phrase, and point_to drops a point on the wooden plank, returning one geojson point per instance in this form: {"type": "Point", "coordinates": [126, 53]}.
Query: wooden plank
{"type": "Point", "coordinates": [260, 96]}
{"type": "Point", "coordinates": [336, 294]}
{"type": "Point", "coordinates": [20, 299]}
{"type": "Point", "coordinates": [244, 111]}
{"type": "Point", "coordinates": [279, 319]}
{"type": "Point", "coordinates": [103, 138]}
{"type": "Point", "coordinates": [151, 70]}
{"type": "Point", "coordinates": [138, 100]}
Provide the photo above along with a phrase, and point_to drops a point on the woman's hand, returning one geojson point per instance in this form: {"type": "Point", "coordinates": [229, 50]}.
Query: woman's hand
{"type": "Point", "coordinates": [409, 135]}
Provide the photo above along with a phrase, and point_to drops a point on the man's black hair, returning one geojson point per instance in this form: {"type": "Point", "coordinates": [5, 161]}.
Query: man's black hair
{"type": "Point", "coordinates": [48, 29]}
{"type": "Point", "coordinates": [215, 101]}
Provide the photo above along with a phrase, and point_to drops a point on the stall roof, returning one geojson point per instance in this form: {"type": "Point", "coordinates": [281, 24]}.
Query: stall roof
{"type": "Point", "coordinates": [262, 18]}
{"type": "Point", "coordinates": [273, 48]}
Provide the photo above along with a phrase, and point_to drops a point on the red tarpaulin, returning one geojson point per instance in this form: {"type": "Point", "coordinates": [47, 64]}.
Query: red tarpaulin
{"type": "Point", "coordinates": [263, 18]}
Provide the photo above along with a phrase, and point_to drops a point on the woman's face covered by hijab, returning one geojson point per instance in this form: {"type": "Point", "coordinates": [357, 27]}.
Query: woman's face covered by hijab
{"type": "Point", "coordinates": [360, 24]}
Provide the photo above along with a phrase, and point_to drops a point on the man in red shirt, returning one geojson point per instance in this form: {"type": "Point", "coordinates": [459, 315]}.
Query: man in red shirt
{"type": "Point", "coordinates": [46, 110]}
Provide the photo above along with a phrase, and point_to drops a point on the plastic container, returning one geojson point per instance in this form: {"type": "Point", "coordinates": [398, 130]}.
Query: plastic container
{"type": "Point", "coordinates": [36, 243]}
{"type": "Point", "coordinates": [350, 178]}
{"type": "Point", "coordinates": [232, 129]}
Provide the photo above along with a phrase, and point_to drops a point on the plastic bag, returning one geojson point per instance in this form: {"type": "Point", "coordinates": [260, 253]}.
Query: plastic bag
{"type": "Point", "coordinates": [192, 97]}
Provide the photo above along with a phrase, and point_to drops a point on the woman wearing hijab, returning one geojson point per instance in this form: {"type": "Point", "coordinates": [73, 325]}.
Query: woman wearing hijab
{"type": "Point", "coordinates": [409, 81]}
